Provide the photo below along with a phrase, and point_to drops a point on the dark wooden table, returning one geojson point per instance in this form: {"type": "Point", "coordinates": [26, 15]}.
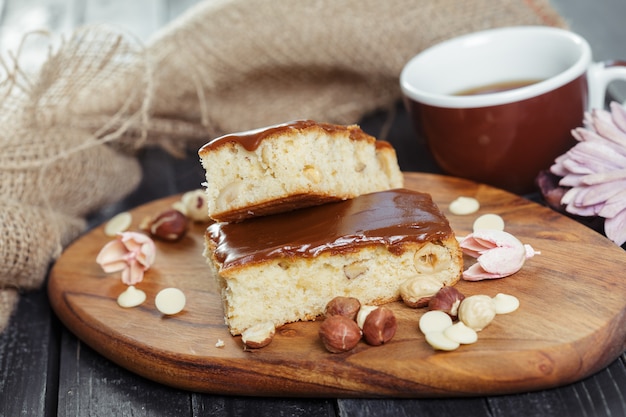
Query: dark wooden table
{"type": "Point", "coordinates": [45, 370]}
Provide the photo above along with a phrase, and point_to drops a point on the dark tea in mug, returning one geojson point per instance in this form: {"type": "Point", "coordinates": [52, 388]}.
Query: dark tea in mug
{"type": "Point", "coordinates": [497, 87]}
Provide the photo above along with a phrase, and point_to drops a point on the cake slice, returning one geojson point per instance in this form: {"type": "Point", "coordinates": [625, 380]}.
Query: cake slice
{"type": "Point", "coordinates": [294, 165]}
{"type": "Point", "coordinates": [287, 267]}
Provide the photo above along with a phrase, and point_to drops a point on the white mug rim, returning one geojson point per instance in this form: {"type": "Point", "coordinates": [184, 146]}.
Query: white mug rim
{"type": "Point", "coordinates": [504, 97]}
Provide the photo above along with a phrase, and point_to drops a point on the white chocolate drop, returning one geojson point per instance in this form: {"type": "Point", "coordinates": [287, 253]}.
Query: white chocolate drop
{"type": "Point", "coordinates": [439, 341]}
{"type": "Point", "coordinates": [132, 297]}
{"type": "Point", "coordinates": [464, 206]}
{"type": "Point", "coordinates": [460, 333]}
{"type": "Point", "coordinates": [170, 301]}
{"type": "Point", "coordinates": [489, 221]}
{"type": "Point", "coordinates": [434, 321]}
{"type": "Point", "coordinates": [505, 303]}
{"type": "Point", "coordinates": [118, 224]}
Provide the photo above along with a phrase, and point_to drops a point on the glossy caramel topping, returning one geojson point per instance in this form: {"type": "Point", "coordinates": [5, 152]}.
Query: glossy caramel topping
{"type": "Point", "coordinates": [251, 139]}
{"type": "Point", "coordinates": [390, 218]}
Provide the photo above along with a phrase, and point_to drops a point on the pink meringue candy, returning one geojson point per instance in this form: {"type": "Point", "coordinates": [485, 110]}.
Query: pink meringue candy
{"type": "Point", "coordinates": [498, 254]}
{"type": "Point", "coordinates": [131, 252]}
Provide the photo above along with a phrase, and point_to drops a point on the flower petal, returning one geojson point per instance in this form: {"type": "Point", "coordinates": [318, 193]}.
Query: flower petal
{"type": "Point", "coordinates": [618, 113]}
{"type": "Point", "coordinates": [614, 205]}
{"type": "Point", "coordinates": [615, 228]}
{"type": "Point", "coordinates": [111, 256]}
{"type": "Point", "coordinates": [477, 273]}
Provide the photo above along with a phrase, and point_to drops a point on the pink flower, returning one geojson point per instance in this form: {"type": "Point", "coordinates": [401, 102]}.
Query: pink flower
{"type": "Point", "coordinates": [593, 172]}
{"type": "Point", "coordinates": [498, 254]}
{"type": "Point", "coordinates": [131, 252]}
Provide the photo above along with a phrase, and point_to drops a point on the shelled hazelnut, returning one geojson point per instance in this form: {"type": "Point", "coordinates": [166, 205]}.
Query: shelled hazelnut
{"type": "Point", "coordinates": [259, 335]}
{"type": "Point", "coordinates": [448, 299]}
{"type": "Point", "coordinates": [477, 311]}
{"type": "Point", "coordinates": [339, 334]}
{"type": "Point", "coordinates": [416, 292]}
{"type": "Point", "coordinates": [379, 326]}
{"type": "Point", "coordinates": [343, 306]}
{"type": "Point", "coordinates": [170, 225]}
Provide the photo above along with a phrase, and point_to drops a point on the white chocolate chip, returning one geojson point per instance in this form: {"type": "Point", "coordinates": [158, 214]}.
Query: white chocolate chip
{"type": "Point", "coordinates": [489, 221]}
{"type": "Point", "coordinates": [434, 321]}
{"type": "Point", "coordinates": [170, 301]}
{"type": "Point", "coordinates": [439, 341]}
{"type": "Point", "coordinates": [464, 205]}
{"type": "Point", "coordinates": [193, 204]}
{"type": "Point", "coordinates": [132, 297]}
{"type": "Point", "coordinates": [118, 223]}
{"type": "Point", "coordinates": [460, 333]}
{"type": "Point", "coordinates": [505, 303]}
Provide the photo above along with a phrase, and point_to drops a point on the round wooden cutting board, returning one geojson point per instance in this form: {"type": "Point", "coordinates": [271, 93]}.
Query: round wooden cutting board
{"type": "Point", "coordinates": [570, 324]}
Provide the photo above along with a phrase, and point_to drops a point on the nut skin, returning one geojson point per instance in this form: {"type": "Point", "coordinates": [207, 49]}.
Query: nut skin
{"type": "Point", "coordinates": [339, 334]}
{"type": "Point", "coordinates": [448, 299]}
{"type": "Point", "coordinates": [171, 225]}
{"type": "Point", "coordinates": [379, 326]}
{"type": "Point", "coordinates": [343, 306]}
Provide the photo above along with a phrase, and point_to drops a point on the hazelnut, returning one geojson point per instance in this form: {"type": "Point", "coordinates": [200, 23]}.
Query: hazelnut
{"type": "Point", "coordinates": [448, 300]}
{"type": "Point", "coordinates": [259, 335]}
{"type": "Point", "coordinates": [379, 326]}
{"type": "Point", "coordinates": [312, 174]}
{"type": "Point", "coordinates": [362, 314]}
{"type": "Point", "coordinates": [171, 225]}
{"type": "Point", "coordinates": [343, 306]}
{"type": "Point", "coordinates": [417, 291]}
{"type": "Point", "coordinates": [228, 195]}
{"type": "Point", "coordinates": [355, 270]}
{"type": "Point", "coordinates": [477, 311]}
{"type": "Point", "coordinates": [339, 334]}
{"type": "Point", "coordinates": [193, 204]}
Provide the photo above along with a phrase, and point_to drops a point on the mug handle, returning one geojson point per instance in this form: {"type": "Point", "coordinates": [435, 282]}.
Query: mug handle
{"type": "Point", "coordinates": [599, 76]}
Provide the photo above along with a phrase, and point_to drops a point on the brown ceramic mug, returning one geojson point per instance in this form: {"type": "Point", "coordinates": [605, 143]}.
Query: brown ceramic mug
{"type": "Point", "coordinates": [498, 106]}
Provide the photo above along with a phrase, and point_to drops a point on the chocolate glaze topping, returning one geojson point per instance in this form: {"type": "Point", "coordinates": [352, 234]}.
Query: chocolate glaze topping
{"type": "Point", "coordinates": [391, 218]}
{"type": "Point", "coordinates": [251, 139]}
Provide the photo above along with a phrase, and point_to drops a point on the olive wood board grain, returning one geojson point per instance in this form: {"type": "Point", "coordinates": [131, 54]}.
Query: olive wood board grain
{"type": "Point", "coordinates": [570, 323]}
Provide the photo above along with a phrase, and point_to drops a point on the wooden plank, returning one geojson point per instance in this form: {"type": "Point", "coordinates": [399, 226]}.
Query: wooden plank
{"type": "Point", "coordinates": [602, 394]}
{"type": "Point", "coordinates": [261, 407]}
{"type": "Point", "coordinates": [426, 407]}
{"type": "Point", "coordinates": [28, 359]}
{"type": "Point", "coordinates": [91, 385]}
{"type": "Point", "coordinates": [577, 275]}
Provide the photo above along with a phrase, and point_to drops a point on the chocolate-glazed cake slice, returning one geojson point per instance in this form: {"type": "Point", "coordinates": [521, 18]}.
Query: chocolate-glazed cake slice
{"type": "Point", "coordinates": [284, 268]}
{"type": "Point", "coordinates": [294, 165]}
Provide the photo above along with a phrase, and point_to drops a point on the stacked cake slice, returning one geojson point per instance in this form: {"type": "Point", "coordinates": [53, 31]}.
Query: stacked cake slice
{"type": "Point", "coordinates": [306, 212]}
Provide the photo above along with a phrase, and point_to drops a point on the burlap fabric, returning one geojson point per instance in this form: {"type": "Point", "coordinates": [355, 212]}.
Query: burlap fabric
{"type": "Point", "coordinates": [69, 133]}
